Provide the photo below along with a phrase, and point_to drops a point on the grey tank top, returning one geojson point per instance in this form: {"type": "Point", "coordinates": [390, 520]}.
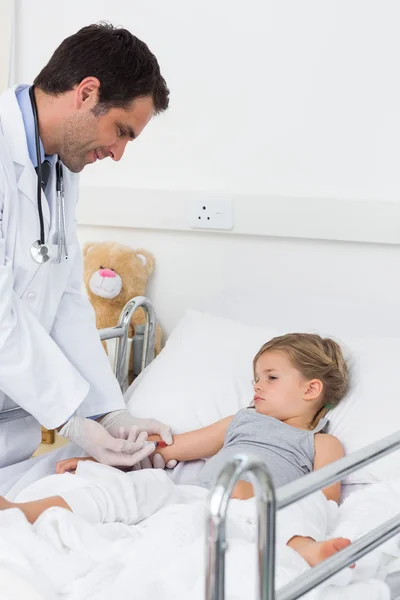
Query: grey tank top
{"type": "Point", "coordinates": [288, 452]}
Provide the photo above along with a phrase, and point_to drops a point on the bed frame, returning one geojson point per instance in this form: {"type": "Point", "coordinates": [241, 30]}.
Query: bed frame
{"type": "Point", "coordinates": [268, 502]}
{"type": "Point", "coordinates": [120, 332]}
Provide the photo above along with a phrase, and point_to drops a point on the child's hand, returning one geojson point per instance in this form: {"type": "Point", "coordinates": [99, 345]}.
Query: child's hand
{"type": "Point", "coordinates": [70, 464]}
{"type": "Point", "coordinates": [243, 490]}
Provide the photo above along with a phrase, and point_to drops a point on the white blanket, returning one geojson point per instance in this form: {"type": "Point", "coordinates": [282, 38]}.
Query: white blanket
{"type": "Point", "coordinates": [162, 555]}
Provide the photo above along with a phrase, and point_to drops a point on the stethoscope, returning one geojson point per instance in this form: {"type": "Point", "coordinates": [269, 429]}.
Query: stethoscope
{"type": "Point", "coordinates": [40, 251]}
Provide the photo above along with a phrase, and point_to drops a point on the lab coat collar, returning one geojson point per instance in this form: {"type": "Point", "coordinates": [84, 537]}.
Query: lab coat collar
{"type": "Point", "coordinates": [12, 125]}
{"type": "Point", "coordinates": [24, 103]}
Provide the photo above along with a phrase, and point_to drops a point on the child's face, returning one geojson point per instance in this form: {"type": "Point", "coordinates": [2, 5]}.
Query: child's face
{"type": "Point", "coordinates": [280, 391]}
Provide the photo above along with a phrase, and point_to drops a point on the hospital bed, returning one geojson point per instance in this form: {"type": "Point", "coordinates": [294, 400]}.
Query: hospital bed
{"type": "Point", "coordinates": [268, 500]}
{"type": "Point", "coordinates": [165, 383]}
{"type": "Point", "coordinates": [120, 334]}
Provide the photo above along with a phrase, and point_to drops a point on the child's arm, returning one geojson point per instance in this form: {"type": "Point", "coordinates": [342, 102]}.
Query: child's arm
{"type": "Point", "coordinates": [327, 450]}
{"type": "Point", "coordinates": [201, 443]}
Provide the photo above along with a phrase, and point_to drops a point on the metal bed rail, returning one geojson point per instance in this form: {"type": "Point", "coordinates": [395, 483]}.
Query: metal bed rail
{"type": "Point", "coordinates": [268, 502]}
{"type": "Point", "coordinates": [120, 333]}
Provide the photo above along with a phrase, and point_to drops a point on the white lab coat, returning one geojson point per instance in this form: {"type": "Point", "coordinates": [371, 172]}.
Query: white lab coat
{"type": "Point", "coordinates": [51, 359]}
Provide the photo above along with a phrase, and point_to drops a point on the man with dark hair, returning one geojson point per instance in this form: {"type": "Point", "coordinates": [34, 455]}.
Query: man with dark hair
{"type": "Point", "coordinates": [98, 91]}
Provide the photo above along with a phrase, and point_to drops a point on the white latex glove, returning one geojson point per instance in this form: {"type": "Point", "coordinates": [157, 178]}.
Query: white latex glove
{"type": "Point", "coordinates": [118, 450]}
{"type": "Point", "coordinates": [122, 419]}
{"type": "Point", "coordinates": [156, 461]}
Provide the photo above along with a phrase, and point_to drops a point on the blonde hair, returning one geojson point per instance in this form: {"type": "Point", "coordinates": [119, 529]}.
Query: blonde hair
{"type": "Point", "coordinates": [315, 358]}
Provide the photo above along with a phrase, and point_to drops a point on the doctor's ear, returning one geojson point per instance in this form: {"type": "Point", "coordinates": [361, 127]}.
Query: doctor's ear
{"type": "Point", "coordinates": [87, 93]}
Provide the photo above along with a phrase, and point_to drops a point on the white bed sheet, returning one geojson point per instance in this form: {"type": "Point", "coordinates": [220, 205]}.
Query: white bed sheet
{"type": "Point", "coordinates": [77, 560]}
{"type": "Point", "coordinates": [79, 540]}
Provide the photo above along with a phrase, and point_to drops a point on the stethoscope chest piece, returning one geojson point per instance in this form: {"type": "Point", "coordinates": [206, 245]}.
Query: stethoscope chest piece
{"type": "Point", "coordinates": [40, 252]}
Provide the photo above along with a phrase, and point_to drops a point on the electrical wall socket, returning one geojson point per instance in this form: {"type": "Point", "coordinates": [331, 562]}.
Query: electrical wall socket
{"type": "Point", "coordinates": [211, 213]}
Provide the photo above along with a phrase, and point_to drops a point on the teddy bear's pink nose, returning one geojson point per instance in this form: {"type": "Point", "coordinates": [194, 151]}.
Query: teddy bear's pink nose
{"type": "Point", "coordinates": [107, 273]}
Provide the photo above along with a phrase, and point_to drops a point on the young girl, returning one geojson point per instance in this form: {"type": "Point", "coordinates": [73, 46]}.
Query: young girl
{"type": "Point", "coordinates": [297, 379]}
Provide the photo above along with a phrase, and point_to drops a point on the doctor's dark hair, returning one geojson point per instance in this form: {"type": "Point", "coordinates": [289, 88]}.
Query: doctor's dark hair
{"type": "Point", "coordinates": [315, 358]}
{"type": "Point", "coordinates": [121, 62]}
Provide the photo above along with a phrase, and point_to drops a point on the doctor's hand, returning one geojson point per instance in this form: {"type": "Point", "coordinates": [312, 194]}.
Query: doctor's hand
{"type": "Point", "coordinates": [157, 460]}
{"type": "Point", "coordinates": [122, 419]}
{"type": "Point", "coordinates": [118, 451]}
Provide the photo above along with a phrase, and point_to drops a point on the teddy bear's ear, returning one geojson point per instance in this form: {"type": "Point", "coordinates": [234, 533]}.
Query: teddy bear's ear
{"type": "Point", "coordinates": [87, 246]}
{"type": "Point", "coordinates": [147, 260]}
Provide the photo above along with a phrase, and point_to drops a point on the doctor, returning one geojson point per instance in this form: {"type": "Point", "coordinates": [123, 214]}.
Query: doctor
{"type": "Point", "coordinates": [97, 93]}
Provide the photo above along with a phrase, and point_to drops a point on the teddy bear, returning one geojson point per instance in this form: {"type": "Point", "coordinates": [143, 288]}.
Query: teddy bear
{"type": "Point", "coordinates": [114, 274]}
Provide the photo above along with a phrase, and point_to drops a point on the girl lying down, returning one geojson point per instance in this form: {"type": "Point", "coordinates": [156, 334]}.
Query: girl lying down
{"type": "Point", "coordinates": [297, 378]}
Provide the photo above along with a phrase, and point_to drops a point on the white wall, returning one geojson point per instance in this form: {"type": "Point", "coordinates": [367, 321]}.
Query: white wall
{"type": "Point", "coordinates": [283, 280]}
{"type": "Point", "coordinates": [287, 98]}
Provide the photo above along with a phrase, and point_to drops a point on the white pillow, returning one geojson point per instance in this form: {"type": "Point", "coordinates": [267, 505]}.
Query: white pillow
{"type": "Point", "coordinates": [371, 409]}
{"type": "Point", "coordinates": [204, 373]}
